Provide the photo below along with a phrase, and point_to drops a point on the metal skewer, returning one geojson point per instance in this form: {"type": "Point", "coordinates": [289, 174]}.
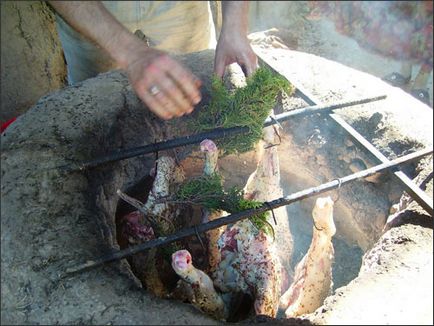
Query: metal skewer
{"type": "Point", "coordinates": [213, 134]}
{"type": "Point", "coordinates": [283, 201]}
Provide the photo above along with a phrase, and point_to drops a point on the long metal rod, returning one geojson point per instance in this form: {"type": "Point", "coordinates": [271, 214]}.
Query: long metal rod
{"type": "Point", "coordinates": [214, 134]}
{"type": "Point", "coordinates": [413, 190]}
{"type": "Point", "coordinates": [283, 201]}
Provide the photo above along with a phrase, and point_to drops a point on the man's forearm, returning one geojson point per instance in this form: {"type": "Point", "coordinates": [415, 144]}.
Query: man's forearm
{"type": "Point", "coordinates": [235, 16]}
{"type": "Point", "coordinates": [163, 84]}
{"type": "Point", "coordinates": [95, 22]}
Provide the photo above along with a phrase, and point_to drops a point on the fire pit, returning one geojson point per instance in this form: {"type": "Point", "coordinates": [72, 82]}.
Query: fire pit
{"type": "Point", "coordinates": [53, 220]}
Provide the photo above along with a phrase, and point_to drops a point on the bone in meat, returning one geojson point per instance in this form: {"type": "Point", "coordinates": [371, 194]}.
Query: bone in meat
{"type": "Point", "coordinates": [204, 296]}
{"type": "Point", "coordinates": [313, 274]}
{"type": "Point", "coordinates": [210, 167]}
{"type": "Point", "coordinates": [249, 264]}
{"type": "Point", "coordinates": [160, 213]}
{"type": "Point", "coordinates": [151, 267]}
{"type": "Point", "coordinates": [249, 259]}
{"type": "Point", "coordinates": [134, 230]}
{"type": "Point", "coordinates": [264, 185]}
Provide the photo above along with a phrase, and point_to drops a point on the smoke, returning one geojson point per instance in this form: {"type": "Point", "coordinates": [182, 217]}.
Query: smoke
{"type": "Point", "coordinates": [288, 15]}
{"type": "Point", "coordinates": [401, 30]}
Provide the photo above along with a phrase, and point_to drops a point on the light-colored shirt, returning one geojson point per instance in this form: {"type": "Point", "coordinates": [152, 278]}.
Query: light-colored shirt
{"type": "Point", "coordinates": [173, 26]}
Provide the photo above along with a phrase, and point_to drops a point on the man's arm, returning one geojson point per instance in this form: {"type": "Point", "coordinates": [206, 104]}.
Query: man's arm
{"type": "Point", "coordinates": [146, 67]}
{"type": "Point", "coordinates": [233, 45]}
{"type": "Point", "coordinates": [93, 21]}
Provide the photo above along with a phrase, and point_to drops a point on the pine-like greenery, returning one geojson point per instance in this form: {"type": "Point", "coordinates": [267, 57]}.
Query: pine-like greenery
{"type": "Point", "coordinates": [208, 192]}
{"type": "Point", "coordinates": [248, 106]}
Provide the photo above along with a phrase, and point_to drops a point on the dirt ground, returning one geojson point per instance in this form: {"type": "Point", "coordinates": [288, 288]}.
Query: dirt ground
{"type": "Point", "coordinates": [69, 218]}
{"type": "Point", "coordinates": [51, 222]}
{"type": "Point", "coordinates": [322, 39]}
{"type": "Point", "coordinates": [319, 37]}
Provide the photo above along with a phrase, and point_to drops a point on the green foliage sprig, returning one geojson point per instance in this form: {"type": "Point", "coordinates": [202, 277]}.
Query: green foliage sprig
{"type": "Point", "coordinates": [207, 191]}
{"type": "Point", "coordinates": [248, 106]}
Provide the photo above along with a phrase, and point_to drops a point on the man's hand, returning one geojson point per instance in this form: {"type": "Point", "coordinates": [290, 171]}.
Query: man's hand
{"type": "Point", "coordinates": [233, 45]}
{"type": "Point", "coordinates": [167, 88]}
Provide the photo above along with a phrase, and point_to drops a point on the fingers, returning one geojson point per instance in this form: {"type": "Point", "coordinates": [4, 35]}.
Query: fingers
{"type": "Point", "coordinates": [219, 67]}
{"type": "Point", "coordinates": [179, 88]}
{"type": "Point", "coordinates": [249, 64]}
{"type": "Point", "coordinates": [155, 106]}
{"type": "Point", "coordinates": [250, 68]}
{"type": "Point", "coordinates": [242, 54]}
{"type": "Point", "coordinates": [185, 81]}
{"type": "Point", "coordinates": [168, 89]}
{"type": "Point", "coordinates": [172, 97]}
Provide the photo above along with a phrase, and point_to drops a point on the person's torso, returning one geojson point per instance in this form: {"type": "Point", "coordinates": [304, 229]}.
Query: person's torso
{"type": "Point", "coordinates": [175, 26]}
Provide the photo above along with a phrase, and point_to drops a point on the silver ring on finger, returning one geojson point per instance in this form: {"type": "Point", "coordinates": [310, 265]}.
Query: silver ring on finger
{"type": "Point", "coordinates": [154, 90]}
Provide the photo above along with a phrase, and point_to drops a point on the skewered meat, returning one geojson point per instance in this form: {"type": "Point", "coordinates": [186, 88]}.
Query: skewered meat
{"type": "Point", "coordinates": [313, 274]}
{"type": "Point", "coordinates": [200, 286]}
{"type": "Point", "coordinates": [264, 185]}
{"type": "Point", "coordinates": [152, 267]}
{"type": "Point", "coordinates": [249, 264]}
{"type": "Point", "coordinates": [210, 167]}
{"type": "Point", "coordinates": [134, 230]}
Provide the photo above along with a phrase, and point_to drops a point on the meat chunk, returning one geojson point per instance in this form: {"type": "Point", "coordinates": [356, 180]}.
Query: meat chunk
{"type": "Point", "coordinates": [200, 286]}
{"type": "Point", "coordinates": [313, 274]}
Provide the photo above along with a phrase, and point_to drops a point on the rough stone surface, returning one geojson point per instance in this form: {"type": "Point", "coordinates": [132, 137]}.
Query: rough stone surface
{"type": "Point", "coordinates": [32, 61]}
{"type": "Point", "coordinates": [401, 264]}
{"type": "Point", "coordinates": [396, 126]}
{"type": "Point", "coordinates": [397, 269]}
{"type": "Point", "coordinates": [51, 221]}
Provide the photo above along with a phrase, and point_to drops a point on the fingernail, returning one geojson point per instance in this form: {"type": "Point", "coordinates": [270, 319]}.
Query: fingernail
{"type": "Point", "coordinates": [197, 100]}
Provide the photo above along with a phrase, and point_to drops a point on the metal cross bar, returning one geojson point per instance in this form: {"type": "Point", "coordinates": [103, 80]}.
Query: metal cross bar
{"type": "Point", "coordinates": [283, 201]}
{"type": "Point", "coordinates": [213, 134]}
{"type": "Point", "coordinates": [414, 191]}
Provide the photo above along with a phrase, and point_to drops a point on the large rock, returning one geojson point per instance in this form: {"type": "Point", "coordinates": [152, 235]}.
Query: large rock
{"type": "Point", "coordinates": [51, 221]}
{"type": "Point", "coordinates": [394, 285]}
{"type": "Point", "coordinates": [31, 56]}
{"type": "Point", "coordinates": [397, 267]}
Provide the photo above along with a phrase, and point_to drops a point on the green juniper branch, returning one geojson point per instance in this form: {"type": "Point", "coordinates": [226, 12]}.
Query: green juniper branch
{"type": "Point", "coordinates": [248, 106]}
{"type": "Point", "coordinates": [208, 192]}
